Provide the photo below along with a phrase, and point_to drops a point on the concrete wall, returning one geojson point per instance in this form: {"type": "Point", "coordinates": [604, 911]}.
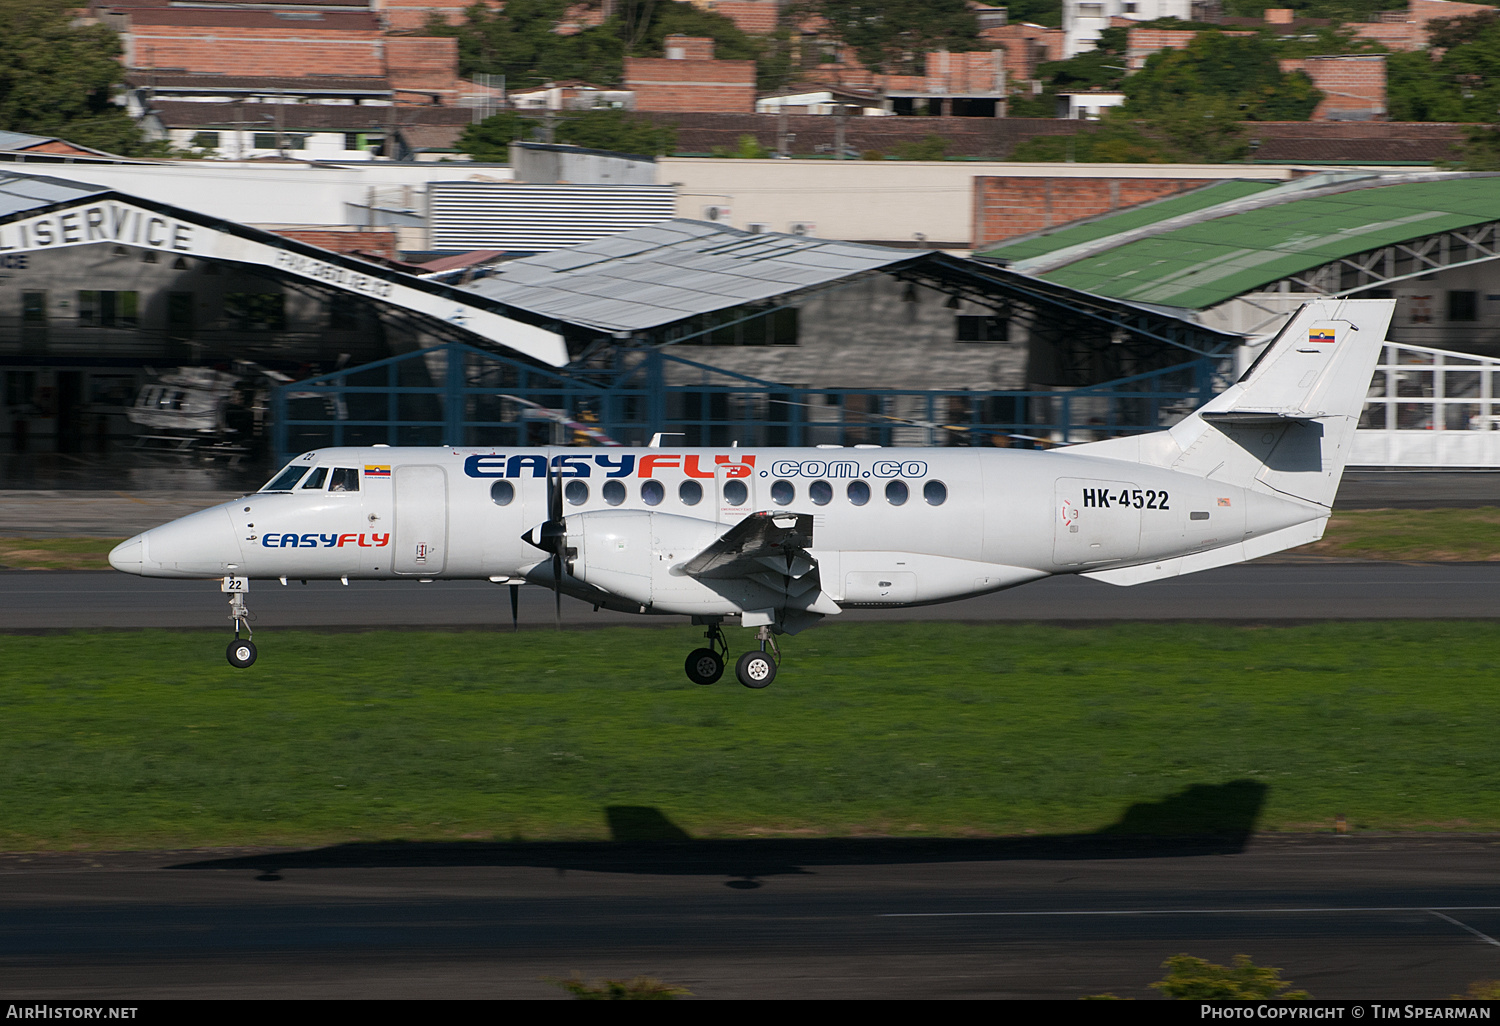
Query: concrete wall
{"type": "Point", "coordinates": [281, 193]}
{"type": "Point", "coordinates": [878, 333]}
{"type": "Point", "coordinates": [889, 201]}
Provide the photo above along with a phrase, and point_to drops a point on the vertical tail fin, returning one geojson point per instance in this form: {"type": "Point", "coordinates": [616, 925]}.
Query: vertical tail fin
{"type": "Point", "coordinates": [1286, 426]}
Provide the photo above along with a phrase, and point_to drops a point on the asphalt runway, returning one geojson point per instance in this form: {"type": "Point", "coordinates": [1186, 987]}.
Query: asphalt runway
{"type": "Point", "coordinates": [1343, 917]}
{"type": "Point", "coordinates": [51, 600]}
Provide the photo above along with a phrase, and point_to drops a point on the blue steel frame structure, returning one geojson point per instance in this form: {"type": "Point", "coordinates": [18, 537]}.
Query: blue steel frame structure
{"type": "Point", "coordinates": [457, 394]}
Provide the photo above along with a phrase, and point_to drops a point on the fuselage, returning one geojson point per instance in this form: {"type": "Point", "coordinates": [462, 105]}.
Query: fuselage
{"type": "Point", "coordinates": [891, 527]}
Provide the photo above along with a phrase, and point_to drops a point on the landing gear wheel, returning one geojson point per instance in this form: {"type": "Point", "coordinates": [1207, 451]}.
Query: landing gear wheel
{"type": "Point", "coordinates": [704, 666]}
{"type": "Point", "coordinates": [241, 653]}
{"type": "Point", "coordinates": [755, 669]}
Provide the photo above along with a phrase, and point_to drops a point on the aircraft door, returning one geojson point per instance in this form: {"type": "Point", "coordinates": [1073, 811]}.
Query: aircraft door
{"type": "Point", "coordinates": [734, 491]}
{"type": "Point", "coordinates": [421, 520]}
{"type": "Point", "coordinates": [1098, 521]}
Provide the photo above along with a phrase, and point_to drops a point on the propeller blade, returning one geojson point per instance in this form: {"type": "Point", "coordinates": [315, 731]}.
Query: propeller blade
{"type": "Point", "coordinates": [554, 493]}
{"type": "Point", "coordinates": [557, 569]}
{"type": "Point", "coordinates": [515, 607]}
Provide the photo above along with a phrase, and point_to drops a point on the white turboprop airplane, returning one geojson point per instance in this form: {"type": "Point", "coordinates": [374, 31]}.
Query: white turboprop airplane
{"type": "Point", "coordinates": [781, 538]}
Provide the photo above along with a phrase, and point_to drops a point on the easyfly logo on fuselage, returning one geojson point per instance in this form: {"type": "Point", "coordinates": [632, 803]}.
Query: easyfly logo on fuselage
{"type": "Point", "coordinates": [623, 465]}
{"type": "Point", "coordinates": [276, 540]}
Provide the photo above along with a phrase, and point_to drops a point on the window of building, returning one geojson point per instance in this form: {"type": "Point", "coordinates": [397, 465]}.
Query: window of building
{"type": "Point", "coordinates": [1463, 305]}
{"type": "Point", "coordinates": [256, 311]}
{"type": "Point", "coordinates": [180, 314]}
{"type": "Point", "coordinates": [205, 141]}
{"type": "Point", "coordinates": [740, 327]}
{"type": "Point", "coordinates": [20, 386]}
{"type": "Point", "coordinates": [289, 141]}
{"type": "Point", "coordinates": [343, 313]}
{"type": "Point", "coordinates": [363, 142]}
{"type": "Point", "coordinates": [981, 328]}
{"type": "Point", "coordinates": [1091, 10]}
{"type": "Point", "coordinates": [107, 309]}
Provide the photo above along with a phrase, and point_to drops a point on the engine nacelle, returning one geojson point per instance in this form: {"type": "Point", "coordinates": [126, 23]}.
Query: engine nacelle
{"type": "Point", "coordinates": [637, 554]}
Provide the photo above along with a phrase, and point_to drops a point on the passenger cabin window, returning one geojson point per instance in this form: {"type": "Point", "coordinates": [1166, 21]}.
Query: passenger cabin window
{"type": "Point", "coordinates": [316, 478]}
{"type": "Point", "coordinates": [286, 480]}
{"type": "Point", "coordinates": [344, 479]}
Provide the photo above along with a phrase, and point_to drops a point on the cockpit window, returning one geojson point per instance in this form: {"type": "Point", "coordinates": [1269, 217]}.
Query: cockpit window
{"type": "Point", "coordinates": [316, 478]}
{"type": "Point", "coordinates": [345, 479]}
{"type": "Point", "coordinates": [286, 480]}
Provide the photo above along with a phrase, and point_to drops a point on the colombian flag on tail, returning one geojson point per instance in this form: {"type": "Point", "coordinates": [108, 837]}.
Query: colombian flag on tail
{"type": "Point", "coordinates": [371, 471]}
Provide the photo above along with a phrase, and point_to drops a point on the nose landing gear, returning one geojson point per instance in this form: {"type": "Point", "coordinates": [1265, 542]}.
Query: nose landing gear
{"type": "Point", "coordinates": [241, 652]}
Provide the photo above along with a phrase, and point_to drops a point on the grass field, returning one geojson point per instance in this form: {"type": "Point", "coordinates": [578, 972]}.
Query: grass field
{"type": "Point", "coordinates": [149, 739]}
{"type": "Point", "coordinates": [1419, 535]}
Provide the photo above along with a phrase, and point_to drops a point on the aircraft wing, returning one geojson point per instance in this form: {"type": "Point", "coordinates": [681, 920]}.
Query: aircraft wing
{"type": "Point", "coordinates": [763, 542]}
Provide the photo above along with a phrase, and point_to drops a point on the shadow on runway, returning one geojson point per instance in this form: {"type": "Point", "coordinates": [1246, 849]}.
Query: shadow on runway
{"type": "Point", "coordinates": [1203, 819]}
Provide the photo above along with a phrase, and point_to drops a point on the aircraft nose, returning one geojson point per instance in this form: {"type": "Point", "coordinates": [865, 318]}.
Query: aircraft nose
{"type": "Point", "coordinates": [128, 555]}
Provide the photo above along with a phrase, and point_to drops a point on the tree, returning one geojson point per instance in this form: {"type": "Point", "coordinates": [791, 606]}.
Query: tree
{"type": "Point", "coordinates": [1200, 132]}
{"type": "Point", "coordinates": [518, 42]}
{"type": "Point", "coordinates": [1239, 71]}
{"type": "Point", "coordinates": [1462, 85]}
{"type": "Point", "coordinates": [602, 129]}
{"type": "Point", "coordinates": [748, 148]}
{"type": "Point", "coordinates": [1193, 979]}
{"type": "Point", "coordinates": [616, 130]}
{"type": "Point", "coordinates": [490, 139]}
{"type": "Point", "coordinates": [59, 80]}
{"type": "Point", "coordinates": [1336, 10]}
{"type": "Point", "coordinates": [932, 147]}
{"type": "Point", "coordinates": [894, 35]}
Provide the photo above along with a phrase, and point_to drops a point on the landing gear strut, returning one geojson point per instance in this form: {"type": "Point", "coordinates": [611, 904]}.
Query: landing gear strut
{"type": "Point", "coordinates": [706, 665]}
{"type": "Point", "coordinates": [241, 652]}
{"type": "Point", "coordinates": [757, 668]}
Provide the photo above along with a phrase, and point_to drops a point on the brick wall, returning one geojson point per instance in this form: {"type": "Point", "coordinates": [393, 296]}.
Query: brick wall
{"type": "Point", "coordinates": [671, 85]}
{"type": "Point", "coordinates": [381, 241]}
{"type": "Point", "coordinates": [1353, 87]}
{"type": "Point", "coordinates": [1007, 207]}
{"type": "Point", "coordinates": [406, 15]}
{"type": "Point", "coordinates": [975, 72]}
{"type": "Point", "coordinates": [689, 48]}
{"type": "Point", "coordinates": [422, 67]}
{"type": "Point", "coordinates": [1025, 46]}
{"type": "Point", "coordinates": [752, 17]}
{"type": "Point", "coordinates": [254, 43]}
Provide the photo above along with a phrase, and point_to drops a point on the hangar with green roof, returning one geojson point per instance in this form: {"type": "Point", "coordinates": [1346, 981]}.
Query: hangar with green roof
{"type": "Point", "coordinates": [1241, 256]}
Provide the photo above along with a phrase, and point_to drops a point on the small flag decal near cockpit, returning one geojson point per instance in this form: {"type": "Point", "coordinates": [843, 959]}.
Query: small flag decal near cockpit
{"type": "Point", "coordinates": [1320, 335]}
{"type": "Point", "coordinates": [377, 471]}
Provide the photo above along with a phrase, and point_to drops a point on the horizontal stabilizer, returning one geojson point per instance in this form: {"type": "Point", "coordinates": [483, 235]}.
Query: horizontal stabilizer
{"type": "Point", "coordinates": [1253, 417]}
{"type": "Point", "coordinates": [1252, 548]}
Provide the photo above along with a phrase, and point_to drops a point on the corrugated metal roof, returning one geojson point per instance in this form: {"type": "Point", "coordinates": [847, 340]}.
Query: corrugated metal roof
{"type": "Point", "coordinates": [657, 275]}
{"type": "Point", "coordinates": [529, 217]}
{"type": "Point", "coordinates": [22, 193]}
{"type": "Point", "coordinates": [1054, 239]}
{"type": "Point", "coordinates": [1203, 264]}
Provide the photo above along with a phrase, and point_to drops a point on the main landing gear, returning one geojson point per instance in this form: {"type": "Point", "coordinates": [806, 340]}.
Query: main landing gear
{"type": "Point", "coordinates": [241, 652]}
{"type": "Point", "coordinates": [755, 669]}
